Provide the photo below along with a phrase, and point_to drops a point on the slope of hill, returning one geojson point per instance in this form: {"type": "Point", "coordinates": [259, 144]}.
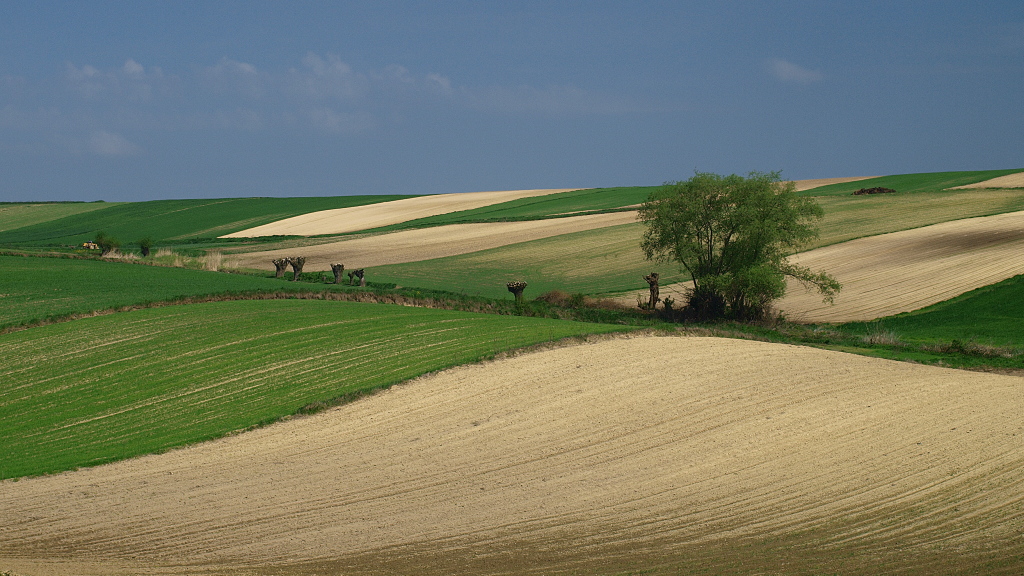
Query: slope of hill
{"type": "Point", "coordinates": [913, 183]}
{"type": "Point", "coordinates": [988, 316]}
{"type": "Point", "coordinates": [175, 220]}
{"type": "Point", "coordinates": [649, 455]}
{"type": "Point", "coordinates": [38, 288]}
{"type": "Point", "coordinates": [99, 389]}
{"type": "Point", "coordinates": [20, 215]}
{"type": "Point", "coordinates": [903, 271]}
{"type": "Point", "coordinates": [355, 219]}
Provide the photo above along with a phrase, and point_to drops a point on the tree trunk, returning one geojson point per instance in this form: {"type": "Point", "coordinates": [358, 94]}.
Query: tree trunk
{"type": "Point", "coordinates": [652, 281]}
{"type": "Point", "coordinates": [337, 269]}
{"type": "Point", "coordinates": [356, 274]}
{"type": "Point", "coordinates": [516, 287]}
{"type": "Point", "coordinates": [297, 263]}
{"type": "Point", "coordinates": [281, 264]}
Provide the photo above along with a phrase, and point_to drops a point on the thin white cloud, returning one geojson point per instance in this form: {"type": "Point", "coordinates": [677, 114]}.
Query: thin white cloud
{"type": "Point", "coordinates": [438, 84]}
{"type": "Point", "coordinates": [233, 76]}
{"type": "Point", "coordinates": [104, 143]}
{"type": "Point", "coordinates": [326, 78]}
{"type": "Point", "coordinates": [130, 81]}
{"type": "Point", "coordinates": [789, 72]}
{"type": "Point", "coordinates": [133, 68]}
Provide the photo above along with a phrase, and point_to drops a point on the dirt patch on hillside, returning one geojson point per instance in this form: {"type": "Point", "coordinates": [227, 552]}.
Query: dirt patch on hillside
{"type": "Point", "coordinates": [429, 243]}
{"type": "Point", "coordinates": [615, 455]}
{"type": "Point", "coordinates": [343, 220]}
{"type": "Point", "coordinates": [1008, 181]}
{"type": "Point", "coordinates": [903, 271]}
{"type": "Point", "coordinates": [802, 185]}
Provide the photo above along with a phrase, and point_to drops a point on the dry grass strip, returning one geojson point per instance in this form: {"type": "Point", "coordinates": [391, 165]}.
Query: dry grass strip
{"type": "Point", "coordinates": [429, 243]}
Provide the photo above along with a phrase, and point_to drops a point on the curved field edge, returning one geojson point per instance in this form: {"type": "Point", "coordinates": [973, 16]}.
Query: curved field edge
{"type": "Point", "coordinates": [609, 260]}
{"type": "Point", "coordinates": [172, 221]}
{"type": "Point", "coordinates": [985, 321]}
{"type": "Point", "coordinates": [589, 459]}
{"type": "Point", "coordinates": [913, 183]}
{"type": "Point", "coordinates": [36, 289]}
{"type": "Point", "coordinates": [107, 388]}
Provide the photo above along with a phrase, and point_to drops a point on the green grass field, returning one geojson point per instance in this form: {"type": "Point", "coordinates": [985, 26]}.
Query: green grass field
{"type": "Point", "coordinates": [14, 216]}
{"type": "Point", "coordinates": [111, 387]}
{"type": "Point", "coordinates": [174, 221]}
{"type": "Point", "coordinates": [37, 288]}
{"type": "Point", "coordinates": [992, 315]}
{"type": "Point", "coordinates": [912, 183]}
{"type": "Point", "coordinates": [590, 262]}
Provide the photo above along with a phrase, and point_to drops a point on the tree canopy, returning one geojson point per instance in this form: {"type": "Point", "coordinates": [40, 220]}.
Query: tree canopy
{"type": "Point", "coordinates": [732, 234]}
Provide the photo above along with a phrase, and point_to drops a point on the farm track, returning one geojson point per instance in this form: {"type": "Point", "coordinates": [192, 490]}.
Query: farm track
{"type": "Point", "coordinates": [621, 454]}
{"type": "Point", "coordinates": [903, 271]}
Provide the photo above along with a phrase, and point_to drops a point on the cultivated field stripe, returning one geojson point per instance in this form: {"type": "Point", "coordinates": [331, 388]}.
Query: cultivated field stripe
{"type": "Point", "coordinates": [604, 457]}
{"type": "Point", "coordinates": [343, 220]}
{"type": "Point", "coordinates": [429, 243]}
{"type": "Point", "coordinates": [903, 271]}
{"type": "Point", "coordinates": [111, 387]}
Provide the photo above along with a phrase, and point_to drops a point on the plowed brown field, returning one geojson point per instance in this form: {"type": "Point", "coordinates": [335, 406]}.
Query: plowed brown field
{"type": "Point", "coordinates": [902, 271]}
{"type": "Point", "coordinates": [357, 218]}
{"type": "Point", "coordinates": [702, 454]}
{"type": "Point", "coordinates": [429, 243]}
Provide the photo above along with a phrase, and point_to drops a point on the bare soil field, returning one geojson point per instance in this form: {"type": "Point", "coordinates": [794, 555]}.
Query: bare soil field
{"type": "Point", "coordinates": [357, 218]}
{"type": "Point", "coordinates": [802, 185]}
{"type": "Point", "coordinates": [428, 243]}
{"type": "Point", "coordinates": [1008, 181]}
{"type": "Point", "coordinates": [702, 454]}
{"type": "Point", "coordinates": [903, 271]}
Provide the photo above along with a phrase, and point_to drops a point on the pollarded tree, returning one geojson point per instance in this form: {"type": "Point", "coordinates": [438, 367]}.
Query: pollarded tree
{"type": "Point", "coordinates": [732, 234]}
{"type": "Point", "coordinates": [106, 243]}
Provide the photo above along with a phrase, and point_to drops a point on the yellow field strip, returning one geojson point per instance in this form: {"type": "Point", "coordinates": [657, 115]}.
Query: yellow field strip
{"type": "Point", "coordinates": [1008, 181]}
{"type": "Point", "coordinates": [343, 220]}
{"type": "Point", "coordinates": [574, 457]}
{"type": "Point", "coordinates": [428, 243]}
{"type": "Point", "coordinates": [903, 271]}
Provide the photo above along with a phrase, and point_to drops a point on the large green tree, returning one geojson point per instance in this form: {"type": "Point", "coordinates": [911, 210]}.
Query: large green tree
{"type": "Point", "coordinates": [732, 234]}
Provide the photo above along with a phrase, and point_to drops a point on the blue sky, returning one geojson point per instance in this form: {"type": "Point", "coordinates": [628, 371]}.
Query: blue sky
{"type": "Point", "coordinates": [145, 100]}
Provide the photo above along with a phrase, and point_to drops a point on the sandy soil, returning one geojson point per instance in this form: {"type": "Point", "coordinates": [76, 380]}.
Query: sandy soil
{"type": "Point", "coordinates": [357, 218]}
{"type": "Point", "coordinates": [428, 243]}
{"type": "Point", "coordinates": [902, 271]}
{"type": "Point", "coordinates": [802, 185]}
{"type": "Point", "coordinates": [580, 457]}
{"type": "Point", "coordinates": [1008, 181]}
